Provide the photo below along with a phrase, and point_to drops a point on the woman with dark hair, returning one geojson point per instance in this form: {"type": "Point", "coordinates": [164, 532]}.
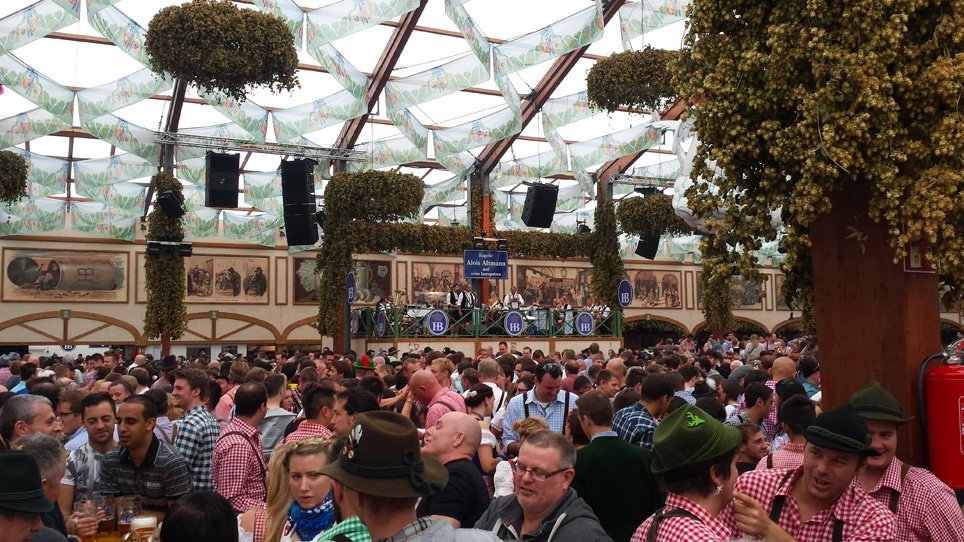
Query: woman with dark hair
{"type": "Point", "coordinates": [479, 400]}
{"type": "Point", "coordinates": [201, 515]}
{"type": "Point", "coordinates": [694, 460]}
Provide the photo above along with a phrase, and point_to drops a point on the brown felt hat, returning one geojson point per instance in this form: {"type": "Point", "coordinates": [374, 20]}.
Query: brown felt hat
{"type": "Point", "coordinates": [383, 457]}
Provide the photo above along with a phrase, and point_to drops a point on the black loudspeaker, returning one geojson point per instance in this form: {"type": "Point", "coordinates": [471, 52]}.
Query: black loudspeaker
{"type": "Point", "coordinates": [540, 205]}
{"type": "Point", "coordinates": [221, 172]}
{"type": "Point", "coordinates": [298, 194]}
{"type": "Point", "coordinates": [169, 203]}
{"type": "Point", "coordinates": [647, 246]}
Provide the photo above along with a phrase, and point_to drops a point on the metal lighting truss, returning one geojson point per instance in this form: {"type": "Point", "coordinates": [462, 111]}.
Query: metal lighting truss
{"type": "Point", "coordinates": [285, 149]}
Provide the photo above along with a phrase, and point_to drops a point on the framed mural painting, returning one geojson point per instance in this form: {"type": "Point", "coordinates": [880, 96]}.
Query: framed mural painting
{"type": "Point", "coordinates": [781, 302]}
{"type": "Point", "coordinates": [227, 279]}
{"type": "Point", "coordinates": [55, 276]}
{"type": "Point", "coordinates": [745, 295]}
{"type": "Point", "coordinates": [373, 279]}
{"type": "Point", "coordinates": [431, 283]}
{"type": "Point", "coordinates": [657, 289]}
{"type": "Point", "coordinates": [547, 286]}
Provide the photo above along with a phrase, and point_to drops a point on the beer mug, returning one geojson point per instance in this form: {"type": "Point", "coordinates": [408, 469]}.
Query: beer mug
{"type": "Point", "coordinates": [128, 507]}
{"type": "Point", "coordinates": [105, 503]}
{"type": "Point", "coordinates": [83, 510]}
{"type": "Point", "coordinates": [144, 528]}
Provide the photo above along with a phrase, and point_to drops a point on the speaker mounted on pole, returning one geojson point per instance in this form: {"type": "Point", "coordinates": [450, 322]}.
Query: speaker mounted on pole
{"type": "Point", "coordinates": [221, 174]}
{"type": "Point", "coordinates": [540, 205]}
{"type": "Point", "coordinates": [298, 195]}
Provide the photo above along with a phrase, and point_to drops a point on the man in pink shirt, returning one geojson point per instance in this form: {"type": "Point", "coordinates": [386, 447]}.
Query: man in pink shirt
{"type": "Point", "coordinates": [437, 400]}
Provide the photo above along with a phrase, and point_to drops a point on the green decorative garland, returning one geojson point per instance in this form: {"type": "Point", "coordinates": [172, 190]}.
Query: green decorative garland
{"type": "Point", "coordinates": [651, 215]}
{"type": "Point", "coordinates": [13, 177]}
{"type": "Point", "coordinates": [165, 314]}
{"type": "Point", "coordinates": [219, 47]}
{"type": "Point", "coordinates": [633, 79]}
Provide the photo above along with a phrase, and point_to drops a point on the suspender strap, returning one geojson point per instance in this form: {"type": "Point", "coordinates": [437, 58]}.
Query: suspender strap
{"type": "Point", "coordinates": [525, 404]}
{"type": "Point", "coordinates": [894, 494]}
{"type": "Point", "coordinates": [565, 413]}
{"type": "Point", "coordinates": [661, 515]}
{"type": "Point", "coordinates": [837, 530]}
{"type": "Point", "coordinates": [769, 461]}
{"type": "Point", "coordinates": [776, 507]}
{"type": "Point", "coordinates": [501, 400]}
{"type": "Point", "coordinates": [257, 452]}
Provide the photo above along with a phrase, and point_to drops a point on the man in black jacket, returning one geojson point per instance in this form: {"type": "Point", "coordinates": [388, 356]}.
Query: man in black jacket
{"type": "Point", "coordinates": [544, 507]}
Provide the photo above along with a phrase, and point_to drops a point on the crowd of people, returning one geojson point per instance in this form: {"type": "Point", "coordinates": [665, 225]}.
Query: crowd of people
{"type": "Point", "coordinates": [685, 442]}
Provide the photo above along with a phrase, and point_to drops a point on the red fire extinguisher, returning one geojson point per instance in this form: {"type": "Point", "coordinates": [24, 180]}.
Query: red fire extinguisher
{"type": "Point", "coordinates": [941, 392]}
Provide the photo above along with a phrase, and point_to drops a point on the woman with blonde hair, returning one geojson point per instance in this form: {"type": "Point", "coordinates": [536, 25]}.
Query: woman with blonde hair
{"type": "Point", "coordinates": [300, 503]}
{"type": "Point", "coordinates": [503, 479]}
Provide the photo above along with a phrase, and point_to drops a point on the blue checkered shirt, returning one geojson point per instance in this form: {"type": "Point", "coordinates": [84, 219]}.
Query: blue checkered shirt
{"type": "Point", "coordinates": [635, 425]}
{"type": "Point", "coordinates": [555, 413]}
{"type": "Point", "coordinates": [197, 431]}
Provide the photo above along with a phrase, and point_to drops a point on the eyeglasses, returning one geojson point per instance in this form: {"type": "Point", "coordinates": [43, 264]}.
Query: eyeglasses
{"type": "Point", "coordinates": [538, 475]}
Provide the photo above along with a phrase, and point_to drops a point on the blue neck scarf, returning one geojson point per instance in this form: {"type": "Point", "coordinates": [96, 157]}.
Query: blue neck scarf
{"type": "Point", "coordinates": [309, 522]}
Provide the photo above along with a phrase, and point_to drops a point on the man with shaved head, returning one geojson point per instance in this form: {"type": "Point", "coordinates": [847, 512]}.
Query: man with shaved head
{"type": "Point", "coordinates": [783, 368]}
{"type": "Point", "coordinates": [435, 399]}
{"type": "Point", "coordinates": [453, 442]}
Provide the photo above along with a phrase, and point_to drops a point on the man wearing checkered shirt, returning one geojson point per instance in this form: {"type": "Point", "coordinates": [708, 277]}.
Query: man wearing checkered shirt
{"type": "Point", "coordinates": [636, 424]}
{"type": "Point", "coordinates": [238, 468]}
{"type": "Point", "coordinates": [197, 431]}
{"type": "Point", "coordinates": [926, 508]}
{"type": "Point", "coordinates": [820, 501]}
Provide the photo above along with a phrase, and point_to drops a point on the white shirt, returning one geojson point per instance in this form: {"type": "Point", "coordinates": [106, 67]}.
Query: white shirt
{"type": "Point", "coordinates": [513, 301]}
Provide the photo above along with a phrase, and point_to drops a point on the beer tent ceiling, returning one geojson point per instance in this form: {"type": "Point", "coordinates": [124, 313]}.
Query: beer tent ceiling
{"type": "Point", "coordinates": [83, 108]}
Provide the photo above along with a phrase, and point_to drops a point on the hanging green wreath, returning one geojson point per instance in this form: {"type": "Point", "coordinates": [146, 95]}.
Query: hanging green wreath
{"type": "Point", "coordinates": [219, 47]}
{"type": "Point", "coordinates": [13, 177]}
{"type": "Point", "coordinates": [651, 215]}
{"type": "Point", "coordinates": [165, 314]}
{"type": "Point", "coordinates": [633, 79]}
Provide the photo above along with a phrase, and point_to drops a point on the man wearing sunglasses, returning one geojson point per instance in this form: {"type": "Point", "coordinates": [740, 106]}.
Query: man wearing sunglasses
{"type": "Point", "coordinates": [544, 507]}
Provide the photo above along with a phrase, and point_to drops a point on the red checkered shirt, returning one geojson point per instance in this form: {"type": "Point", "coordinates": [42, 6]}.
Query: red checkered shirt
{"type": "Point", "coordinates": [684, 529]}
{"type": "Point", "coordinates": [927, 509]}
{"type": "Point", "coordinates": [864, 518]}
{"type": "Point", "coordinates": [238, 469]}
{"type": "Point", "coordinates": [308, 430]}
{"type": "Point", "coordinates": [790, 456]}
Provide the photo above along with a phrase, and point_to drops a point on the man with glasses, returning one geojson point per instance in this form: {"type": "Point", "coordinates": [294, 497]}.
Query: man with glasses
{"type": "Point", "coordinates": [543, 507]}
{"type": "Point", "coordinates": [547, 401]}
{"type": "Point", "coordinates": [69, 413]}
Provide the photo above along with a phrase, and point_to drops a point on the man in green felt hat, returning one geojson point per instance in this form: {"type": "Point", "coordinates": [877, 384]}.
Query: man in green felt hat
{"type": "Point", "coordinates": [694, 460]}
{"type": "Point", "coordinates": [926, 508]}
{"type": "Point", "coordinates": [819, 501]}
{"type": "Point", "coordinates": [382, 474]}
{"type": "Point", "coordinates": [22, 498]}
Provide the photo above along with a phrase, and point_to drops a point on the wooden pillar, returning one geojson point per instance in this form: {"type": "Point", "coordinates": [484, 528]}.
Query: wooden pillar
{"type": "Point", "coordinates": [875, 321]}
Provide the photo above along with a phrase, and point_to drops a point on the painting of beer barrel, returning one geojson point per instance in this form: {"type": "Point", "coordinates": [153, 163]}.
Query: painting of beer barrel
{"type": "Point", "coordinates": [58, 275]}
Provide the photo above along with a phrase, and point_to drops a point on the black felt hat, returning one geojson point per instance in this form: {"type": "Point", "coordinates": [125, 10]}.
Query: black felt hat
{"type": "Point", "coordinates": [841, 429]}
{"type": "Point", "coordinates": [22, 489]}
{"type": "Point", "coordinates": [874, 402]}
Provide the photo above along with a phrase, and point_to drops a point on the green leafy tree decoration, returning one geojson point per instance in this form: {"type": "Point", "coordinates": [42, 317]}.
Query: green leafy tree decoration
{"type": "Point", "coordinates": [13, 177]}
{"type": "Point", "coordinates": [798, 99]}
{"type": "Point", "coordinates": [166, 315]}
